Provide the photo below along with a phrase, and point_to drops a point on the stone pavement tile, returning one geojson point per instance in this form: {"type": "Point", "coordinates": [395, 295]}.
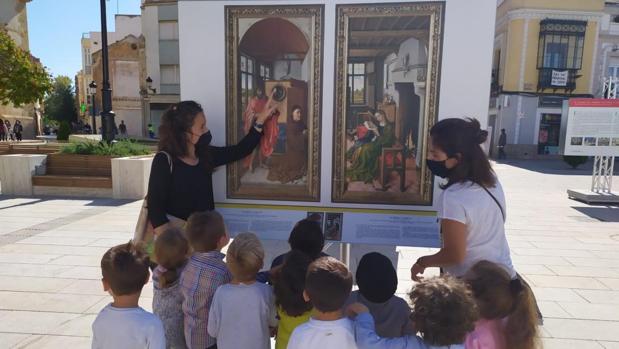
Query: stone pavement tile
{"type": "Point", "coordinates": [33, 284]}
{"type": "Point", "coordinates": [53, 249]}
{"type": "Point", "coordinates": [599, 240]}
{"type": "Point", "coordinates": [87, 287]}
{"type": "Point", "coordinates": [35, 322]}
{"type": "Point", "coordinates": [56, 342]}
{"type": "Point", "coordinates": [592, 311]}
{"type": "Point", "coordinates": [582, 329]}
{"type": "Point", "coordinates": [576, 246]}
{"type": "Point", "coordinates": [37, 270]}
{"type": "Point", "coordinates": [145, 302]}
{"type": "Point", "coordinates": [535, 269]}
{"type": "Point", "coordinates": [557, 294]}
{"type": "Point", "coordinates": [606, 254]}
{"type": "Point", "coordinates": [545, 260]}
{"type": "Point", "coordinates": [79, 326]}
{"type": "Point", "coordinates": [600, 296]}
{"type": "Point", "coordinates": [54, 240]}
{"type": "Point", "coordinates": [585, 271]}
{"type": "Point", "coordinates": [592, 262]}
{"type": "Point", "coordinates": [38, 301]}
{"type": "Point", "coordinates": [566, 282]}
{"type": "Point", "coordinates": [551, 252]}
{"type": "Point", "coordinates": [552, 310]}
{"type": "Point", "coordinates": [557, 343]}
{"type": "Point", "coordinates": [87, 261]}
{"type": "Point", "coordinates": [10, 340]}
{"type": "Point", "coordinates": [81, 272]}
{"type": "Point", "coordinates": [613, 284]}
{"type": "Point", "coordinates": [86, 233]}
{"type": "Point", "coordinates": [610, 345]}
{"type": "Point", "coordinates": [109, 242]}
{"type": "Point", "coordinates": [28, 258]}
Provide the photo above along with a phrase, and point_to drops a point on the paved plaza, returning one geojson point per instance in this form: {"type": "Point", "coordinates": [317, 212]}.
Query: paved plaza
{"type": "Point", "coordinates": [50, 289]}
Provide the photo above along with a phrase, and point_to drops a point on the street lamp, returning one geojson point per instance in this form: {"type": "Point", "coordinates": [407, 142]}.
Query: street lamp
{"type": "Point", "coordinates": [92, 88]}
{"type": "Point", "coordinates": [149, 84]}
{"type": "Point", "coordinates": [107, 115]}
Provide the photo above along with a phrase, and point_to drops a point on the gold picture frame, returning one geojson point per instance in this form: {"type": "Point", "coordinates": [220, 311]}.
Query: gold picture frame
{"type": "Point", "coordinates": [388, 166]}
{"type": "Point", "coordinates": [293, 63]}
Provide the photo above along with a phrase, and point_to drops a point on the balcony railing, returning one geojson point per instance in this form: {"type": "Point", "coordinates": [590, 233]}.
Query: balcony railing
{"type": "Point", "coordinates": [557, 79]}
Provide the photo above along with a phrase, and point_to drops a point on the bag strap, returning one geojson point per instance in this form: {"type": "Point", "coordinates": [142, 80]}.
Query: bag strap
{"type": "Point", "coordinates": [170, 162]}
{"type": "Point", "coordinates": [495, 200]}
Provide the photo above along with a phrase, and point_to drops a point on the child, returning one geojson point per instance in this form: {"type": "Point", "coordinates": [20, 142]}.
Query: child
{"type": "Point", "coordinates": [506, 307]}
{"type": "Point", "coordinates": [242, 314]}
{"type": "Point", "coordinates": [122, 323]}
{"type": "Point", "coordinates": [171, 250]}
{"type": "Point", "coordinates": [444, 311]}
{"type": "Point", "coordinates": [327, 286]}
{"type": "Point", "coordinates": [378, 281]}
{"type": "Point", "coordinates": [289, 283]}
{"type": "Point", "coordinates": [306, 237]}
{"type": "Point", "coordinates": [205, 271]}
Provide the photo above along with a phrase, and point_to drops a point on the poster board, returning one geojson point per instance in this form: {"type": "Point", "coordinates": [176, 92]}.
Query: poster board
{"type": "Point", "coordinates": [590, 127]}
{"type": "Point", "coordinates": [426, 57]}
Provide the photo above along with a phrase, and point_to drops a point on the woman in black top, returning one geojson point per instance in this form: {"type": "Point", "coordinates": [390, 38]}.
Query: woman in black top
{"type": "Point", "coordinates": [185, 186]}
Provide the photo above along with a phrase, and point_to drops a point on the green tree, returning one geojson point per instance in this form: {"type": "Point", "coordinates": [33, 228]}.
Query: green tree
{"type": "Point", "coordinates": [23, 79]}
{"type": "Point", "coordinates": [60, 103]}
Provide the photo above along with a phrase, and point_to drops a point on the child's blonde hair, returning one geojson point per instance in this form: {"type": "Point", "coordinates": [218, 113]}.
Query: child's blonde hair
{"type": "Point", "coordinates": [498, 297]}
{"type": "Point", "coordinates": [245, 256]}
{"type": "Point", "coordinates": [171, 249]}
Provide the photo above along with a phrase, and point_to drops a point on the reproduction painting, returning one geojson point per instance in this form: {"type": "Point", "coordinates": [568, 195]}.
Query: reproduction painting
{"type": "Point", "coordinates": [386, 101]}
{"type": "Point", "coordinates": [275, 51]}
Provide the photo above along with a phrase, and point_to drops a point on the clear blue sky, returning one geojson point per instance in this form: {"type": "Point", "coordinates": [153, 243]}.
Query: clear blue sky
{"type": "Point", "coordinates": [56, 26]}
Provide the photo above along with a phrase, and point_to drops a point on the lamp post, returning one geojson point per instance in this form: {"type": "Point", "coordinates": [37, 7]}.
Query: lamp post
{"type": "Point", "coordinates": [92, 88]}
{"type": "Point", "coordinates": [107, 115]}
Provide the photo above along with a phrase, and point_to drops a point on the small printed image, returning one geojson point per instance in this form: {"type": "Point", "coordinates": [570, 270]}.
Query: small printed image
{"type": "Point", "coordinates": [317, 216]}
{"type": "Point", "coordinates": [615, 142]}
{"type": "Point", "coordinates": [603, 141]}
{"type": "Point", "coordinates": [333, 226]}
{"type": "Point", "coordinates": [576, 141]}
{"type": "Point", "coordinates": [590, 141]}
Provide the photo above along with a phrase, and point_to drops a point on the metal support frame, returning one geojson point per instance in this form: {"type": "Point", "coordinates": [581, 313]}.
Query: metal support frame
{"type": "Point", "coordinates": [602, 179]}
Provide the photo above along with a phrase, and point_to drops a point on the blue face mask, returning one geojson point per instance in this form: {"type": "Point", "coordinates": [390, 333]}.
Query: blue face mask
{"type": "Point", "coordinates": [438, 168]}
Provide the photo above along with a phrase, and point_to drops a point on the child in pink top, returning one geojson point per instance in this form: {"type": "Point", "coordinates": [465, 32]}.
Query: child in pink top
{"type": "Point", "coordinates": [508, 317]}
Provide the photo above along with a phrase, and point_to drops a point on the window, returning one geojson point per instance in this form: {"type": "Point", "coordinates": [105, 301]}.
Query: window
{"type": "Point", "coordinates": [170, 74]}
{"type": "Point", "coordinates": [247, 79]}
{"type": "Point", "coordinates": [356, 83]}
{"type": "Point", "coordinates": [265, 72]}
{"type": "Point", "coordinates": [168, 30]}
{"type": "Point", "coordinates": [561, 44]}
{"type": "Point", "coordinates": [613, 71]}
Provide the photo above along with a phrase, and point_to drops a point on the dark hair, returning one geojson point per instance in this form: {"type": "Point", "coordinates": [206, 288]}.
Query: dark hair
{"type": "Point", "coordinates": [204, 230]}
{"type": "Point", "coordinates": [498, 297]}
{"type": "Point", "coordinates": [460, 138]}
{"type": "Point", "coordinates": [307, 237]}
{"type": "Point", "coordinates": [328, 284]}
{"type": "Point", "coordinates": [444, 310]}
{"type": "Point", "coordinates": [289, 284]}
{"type": "Point", "coordinates": [125, 268]}
{"type": "Point", "coordinates": [171, 250]}
{"type": "Point", "coordinates": [376, 277]}
{"type": "Point", "coordinates": [295, 107]}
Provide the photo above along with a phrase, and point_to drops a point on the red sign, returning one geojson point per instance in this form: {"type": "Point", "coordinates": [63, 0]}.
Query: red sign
{"type": "Point", "coordinates": [594, 102]}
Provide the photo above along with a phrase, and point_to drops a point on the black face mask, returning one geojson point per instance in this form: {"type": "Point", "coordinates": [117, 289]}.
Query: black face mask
{"type": "Point", "coordinates": [204, 140]}
{"type": "Point", "coordinates": [438, 168]}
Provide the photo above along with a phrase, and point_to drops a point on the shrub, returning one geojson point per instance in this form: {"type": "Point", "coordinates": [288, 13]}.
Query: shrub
{"type": "Point", "coordinates": [63, 131]}
{"type": "Point", "coordinates": [121, 148]}
{"type": "Point", "coordinates": [575, 161]}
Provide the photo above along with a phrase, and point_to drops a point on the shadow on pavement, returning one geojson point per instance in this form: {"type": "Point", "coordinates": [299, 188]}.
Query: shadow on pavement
{"type": "Point", "coordinates": [601, 213]}
{"type": "Point", "coordinates": [551, 166]}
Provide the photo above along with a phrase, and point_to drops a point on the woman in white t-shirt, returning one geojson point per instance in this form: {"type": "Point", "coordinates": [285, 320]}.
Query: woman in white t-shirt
{"type": "Point", "coordinates": [471, 207]}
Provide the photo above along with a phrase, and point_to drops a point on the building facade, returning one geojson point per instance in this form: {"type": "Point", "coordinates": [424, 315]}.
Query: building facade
{"type": "Point", "coordinates": [14, 18]}
{"type": "Point", "coordinates": [124, 25]}
{"type": "Point", "coordinates": [160, 30]}
{"type": "Point", "coordinates": [608, 48]}
{"type": "Point", "coordinates": [545, 51]}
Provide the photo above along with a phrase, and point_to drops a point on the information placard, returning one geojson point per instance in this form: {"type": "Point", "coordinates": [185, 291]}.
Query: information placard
{"type": "Point", "coordinates": [383, 227]}
{"type": "Point", "coordinates": [590, 127]}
